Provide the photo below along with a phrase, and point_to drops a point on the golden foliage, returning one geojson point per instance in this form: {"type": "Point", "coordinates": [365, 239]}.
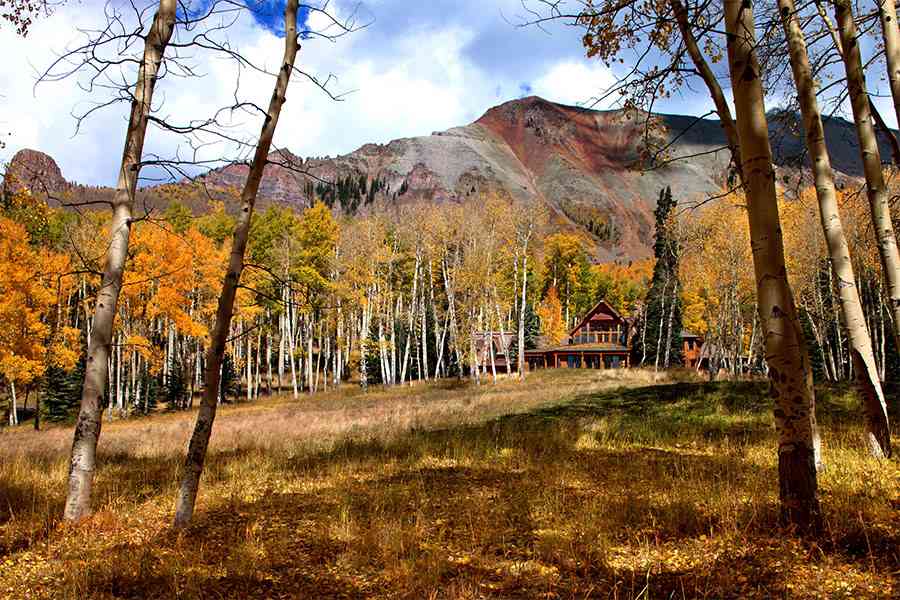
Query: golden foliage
{"type": "Point", "coordinates": [553, 326]}
{"type": "Point", "coordinates": [32, 279]}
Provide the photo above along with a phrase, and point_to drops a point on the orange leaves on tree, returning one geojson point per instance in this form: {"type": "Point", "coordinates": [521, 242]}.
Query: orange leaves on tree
{"type": "Point", "coordinates": [31, 282]}
{"type": "Point", "coordinates": [550, 313]}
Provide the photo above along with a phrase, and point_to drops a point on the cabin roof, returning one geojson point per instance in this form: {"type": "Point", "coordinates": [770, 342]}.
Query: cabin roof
{"type": "Point", "coordinates": [593, 311]}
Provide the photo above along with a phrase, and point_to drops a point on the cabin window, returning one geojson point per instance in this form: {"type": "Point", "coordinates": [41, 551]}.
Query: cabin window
{"type": "Point", "coordinates": [615, 362]}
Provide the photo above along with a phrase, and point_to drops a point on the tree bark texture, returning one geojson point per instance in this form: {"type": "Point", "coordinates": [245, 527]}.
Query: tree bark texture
{"type": "Point", "coordinates": [871, 159]}
{"type": "Point", "coordinates": [87, 428]}
{"type": "Point", "coordinates": [877, 426]}
{"type": "Point", "coordinates": [789, 368]}
{"type": "Point", "coordinates": [196, 455]}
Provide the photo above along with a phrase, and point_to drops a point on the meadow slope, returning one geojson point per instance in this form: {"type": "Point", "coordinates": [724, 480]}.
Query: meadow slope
{"type": "Point", "coordinates": [578, 484]}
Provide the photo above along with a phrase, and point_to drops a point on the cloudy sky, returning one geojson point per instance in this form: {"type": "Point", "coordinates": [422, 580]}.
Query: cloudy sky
{"type": "Point", "coordinates": [418, 66]}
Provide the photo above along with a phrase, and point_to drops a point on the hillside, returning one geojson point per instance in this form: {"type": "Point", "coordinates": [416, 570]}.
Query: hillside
{"type": "Point", "coordinates": [586, 166]}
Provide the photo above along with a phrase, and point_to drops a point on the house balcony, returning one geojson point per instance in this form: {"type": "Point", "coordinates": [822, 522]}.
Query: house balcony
{"type": "Point", "coordinates": [610, 338]}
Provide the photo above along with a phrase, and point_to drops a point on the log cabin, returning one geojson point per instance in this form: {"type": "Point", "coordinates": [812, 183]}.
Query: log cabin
{"type": "Point", "coordinates": [693, 344]}
{"type": "Point", "coordinates": [501, 344]}
{"type": "Point", "coordinates": [599, 341]}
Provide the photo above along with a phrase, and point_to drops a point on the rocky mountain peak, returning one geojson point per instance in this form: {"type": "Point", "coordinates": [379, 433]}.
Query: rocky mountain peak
{"type": "Point", "coordinates": [35, 171]}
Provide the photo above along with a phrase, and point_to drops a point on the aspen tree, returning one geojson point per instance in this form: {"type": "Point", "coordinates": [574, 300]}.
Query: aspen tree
{"type": "Point", "coordinates": [196, 454]}
{"type": "Point", "coordinates": [87, 428]}
{"type": "Point", "coordinates": [789, 369]}
{"type": "Point", "coordinates": [878, 432]}
{"type": "Point", "coordinates": [876, 191]}
{"type": "Point", "coordinates": [887, 11]}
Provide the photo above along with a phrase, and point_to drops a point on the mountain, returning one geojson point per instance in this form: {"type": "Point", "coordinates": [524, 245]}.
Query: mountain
{"type": "Point", "coordinates": [592, 169]}
{"type": "Point", "coordinates": [33, 170]}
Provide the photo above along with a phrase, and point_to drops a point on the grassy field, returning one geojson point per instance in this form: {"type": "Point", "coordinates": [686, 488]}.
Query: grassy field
{"type": "Point", "coordinates": [578, 484]}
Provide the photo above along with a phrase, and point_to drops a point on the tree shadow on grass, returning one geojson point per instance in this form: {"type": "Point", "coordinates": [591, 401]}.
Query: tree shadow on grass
{"type": "Point", "coordinates": [517, 507]}
{"type": "Point", "coordinates": [442, 530]}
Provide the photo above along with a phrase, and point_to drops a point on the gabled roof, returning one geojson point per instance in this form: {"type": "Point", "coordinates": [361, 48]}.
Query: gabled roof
{"type": "Point", "coordinates": [593, 311]}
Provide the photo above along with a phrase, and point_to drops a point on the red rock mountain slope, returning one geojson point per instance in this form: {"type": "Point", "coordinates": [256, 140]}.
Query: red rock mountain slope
{"type": "Point", "coordinates": [586, 166]}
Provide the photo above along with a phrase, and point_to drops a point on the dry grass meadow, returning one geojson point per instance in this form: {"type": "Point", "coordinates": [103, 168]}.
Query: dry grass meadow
{"type": "Point", "coordinates": [580, 484]}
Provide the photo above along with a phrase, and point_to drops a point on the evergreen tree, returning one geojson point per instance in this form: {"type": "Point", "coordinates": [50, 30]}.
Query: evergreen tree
{"type": "Point", "coordinates": [663, 306]}
{"type": "Point", "coordinates": [532, 327]}
{"type": "Point", "coordinates": [229, 383]}
{"type": "Point", "coordinates": [373, 361]}
{"type": "Point", "coordinates": [532, 333]}
{"type": "Point", "coordinates": [61, 392]}
{"type": "Point", "coordinates": [176, 386]}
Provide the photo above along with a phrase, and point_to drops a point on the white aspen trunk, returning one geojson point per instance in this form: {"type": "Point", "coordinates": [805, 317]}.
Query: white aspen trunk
{"type": "Point", "coordinates": [269, 363]}
{"type": "Point", "coordinates": [363, 339]}
{"type": "Point", "coordinates": [381, 356]}
{"type": "Point", "coordinates": [292, 350]}
{"type": "Point", "coordinates": [393, 342]}
{"type": "Point", "coordinates": [338, 348]}
{"type": "Point", "coordinates": [119, 402]}
{"type": "Point", "coordinates": [493, 362]}
{"type": "Point", "coordinates": [881, 337]}
{"type": "Point", "coordinates": [249, 364]}
{"type": "Point", "coordinates": [871, 159]}
{"type": "Point", "coordinates": [14, 409]}
{"type": "Point", "coordinates": [789, 370]}
{"type": "Point", "coordinates": [327, 362]}
{"type": "Point", "coordinates": [669, 325]}
{"type": "Point", "coordinates": [750, 350]}
{"type": "Point", "coordinates": [196, 454]}
{"type": "Point", "coordinates": [87, 428]}
{"type": "Point", "coordinates": [198, 369]}
{"type": "Point", "coordinates": [504, 342]}
{"type": "Point", "coordinates": [423, 339]}
{"type": "Point", "coordinates": [644, 322]}
{"type": "Point", "coordinates": [662, 316]}
{"type": "Point", "coordinates": [522, 306]}
{"type": "Point", "coordinates": [281, 343]}
{"type": "Point", "coordinates": [709, 79]}
{"type": "Point", "coordinates": [318, 356]}
{"type": "Point", "coordinates": [891, 35]}
{"type": "Point", "coordinates": [170, 349]}
{"type": "Point", "coordinates": [132, 384]}
{"type": "Point", "coordinates": [410, 320]}
{"type": "Point", "coordinates": [438, 330]}
{"type": "Point", "coordinates": [257, 380]}
{"type": "Point", "coordinates": [309, 354]}
{"type": "Point", "coordinates": [473, 353]}
{"type": "Point", "coordinates": [851, 311]}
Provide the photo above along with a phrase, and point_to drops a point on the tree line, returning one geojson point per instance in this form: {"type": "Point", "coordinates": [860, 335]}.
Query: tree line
{"type": "Point", "coordinates": [667, 44]}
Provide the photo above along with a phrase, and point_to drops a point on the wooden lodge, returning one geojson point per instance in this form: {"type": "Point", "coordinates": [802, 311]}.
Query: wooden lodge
{"type": "Point", "coordinates": [693, 344]}
{"type": "Point", "coordinates": [496, 343]}
{"type": "Point", "coordinates": [599, 341]}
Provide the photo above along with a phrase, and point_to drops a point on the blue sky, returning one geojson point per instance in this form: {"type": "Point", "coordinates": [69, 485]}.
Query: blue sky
{"type": "Point", "coordinates": [417, 67]}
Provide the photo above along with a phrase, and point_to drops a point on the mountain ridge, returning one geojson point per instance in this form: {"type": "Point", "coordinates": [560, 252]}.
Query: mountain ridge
{"type": "Point", "coordinates": [590, 168]}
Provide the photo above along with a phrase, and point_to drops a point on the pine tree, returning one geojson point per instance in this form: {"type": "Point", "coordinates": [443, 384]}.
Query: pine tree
{"type": "Point", "coordinates": [230, 381]}
{"type": "Point", "coordinates": [176, 386]}
{"type": "Point", "coordinates": [663, 313]}
{"type": "Point", "coordinates": [61, 392]}
{"type": "Point", "coordinates": [373, 361]}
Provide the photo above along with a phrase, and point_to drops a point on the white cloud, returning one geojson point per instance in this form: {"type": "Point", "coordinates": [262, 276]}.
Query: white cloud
{"type": "Point", "coordinates": [575, 82]}
{"type": "Point", "coordinates": [407, 80]}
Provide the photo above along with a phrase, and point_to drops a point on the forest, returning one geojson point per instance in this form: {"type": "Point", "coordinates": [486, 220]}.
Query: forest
{"type": "Point", "coordinates": [367, 445]}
